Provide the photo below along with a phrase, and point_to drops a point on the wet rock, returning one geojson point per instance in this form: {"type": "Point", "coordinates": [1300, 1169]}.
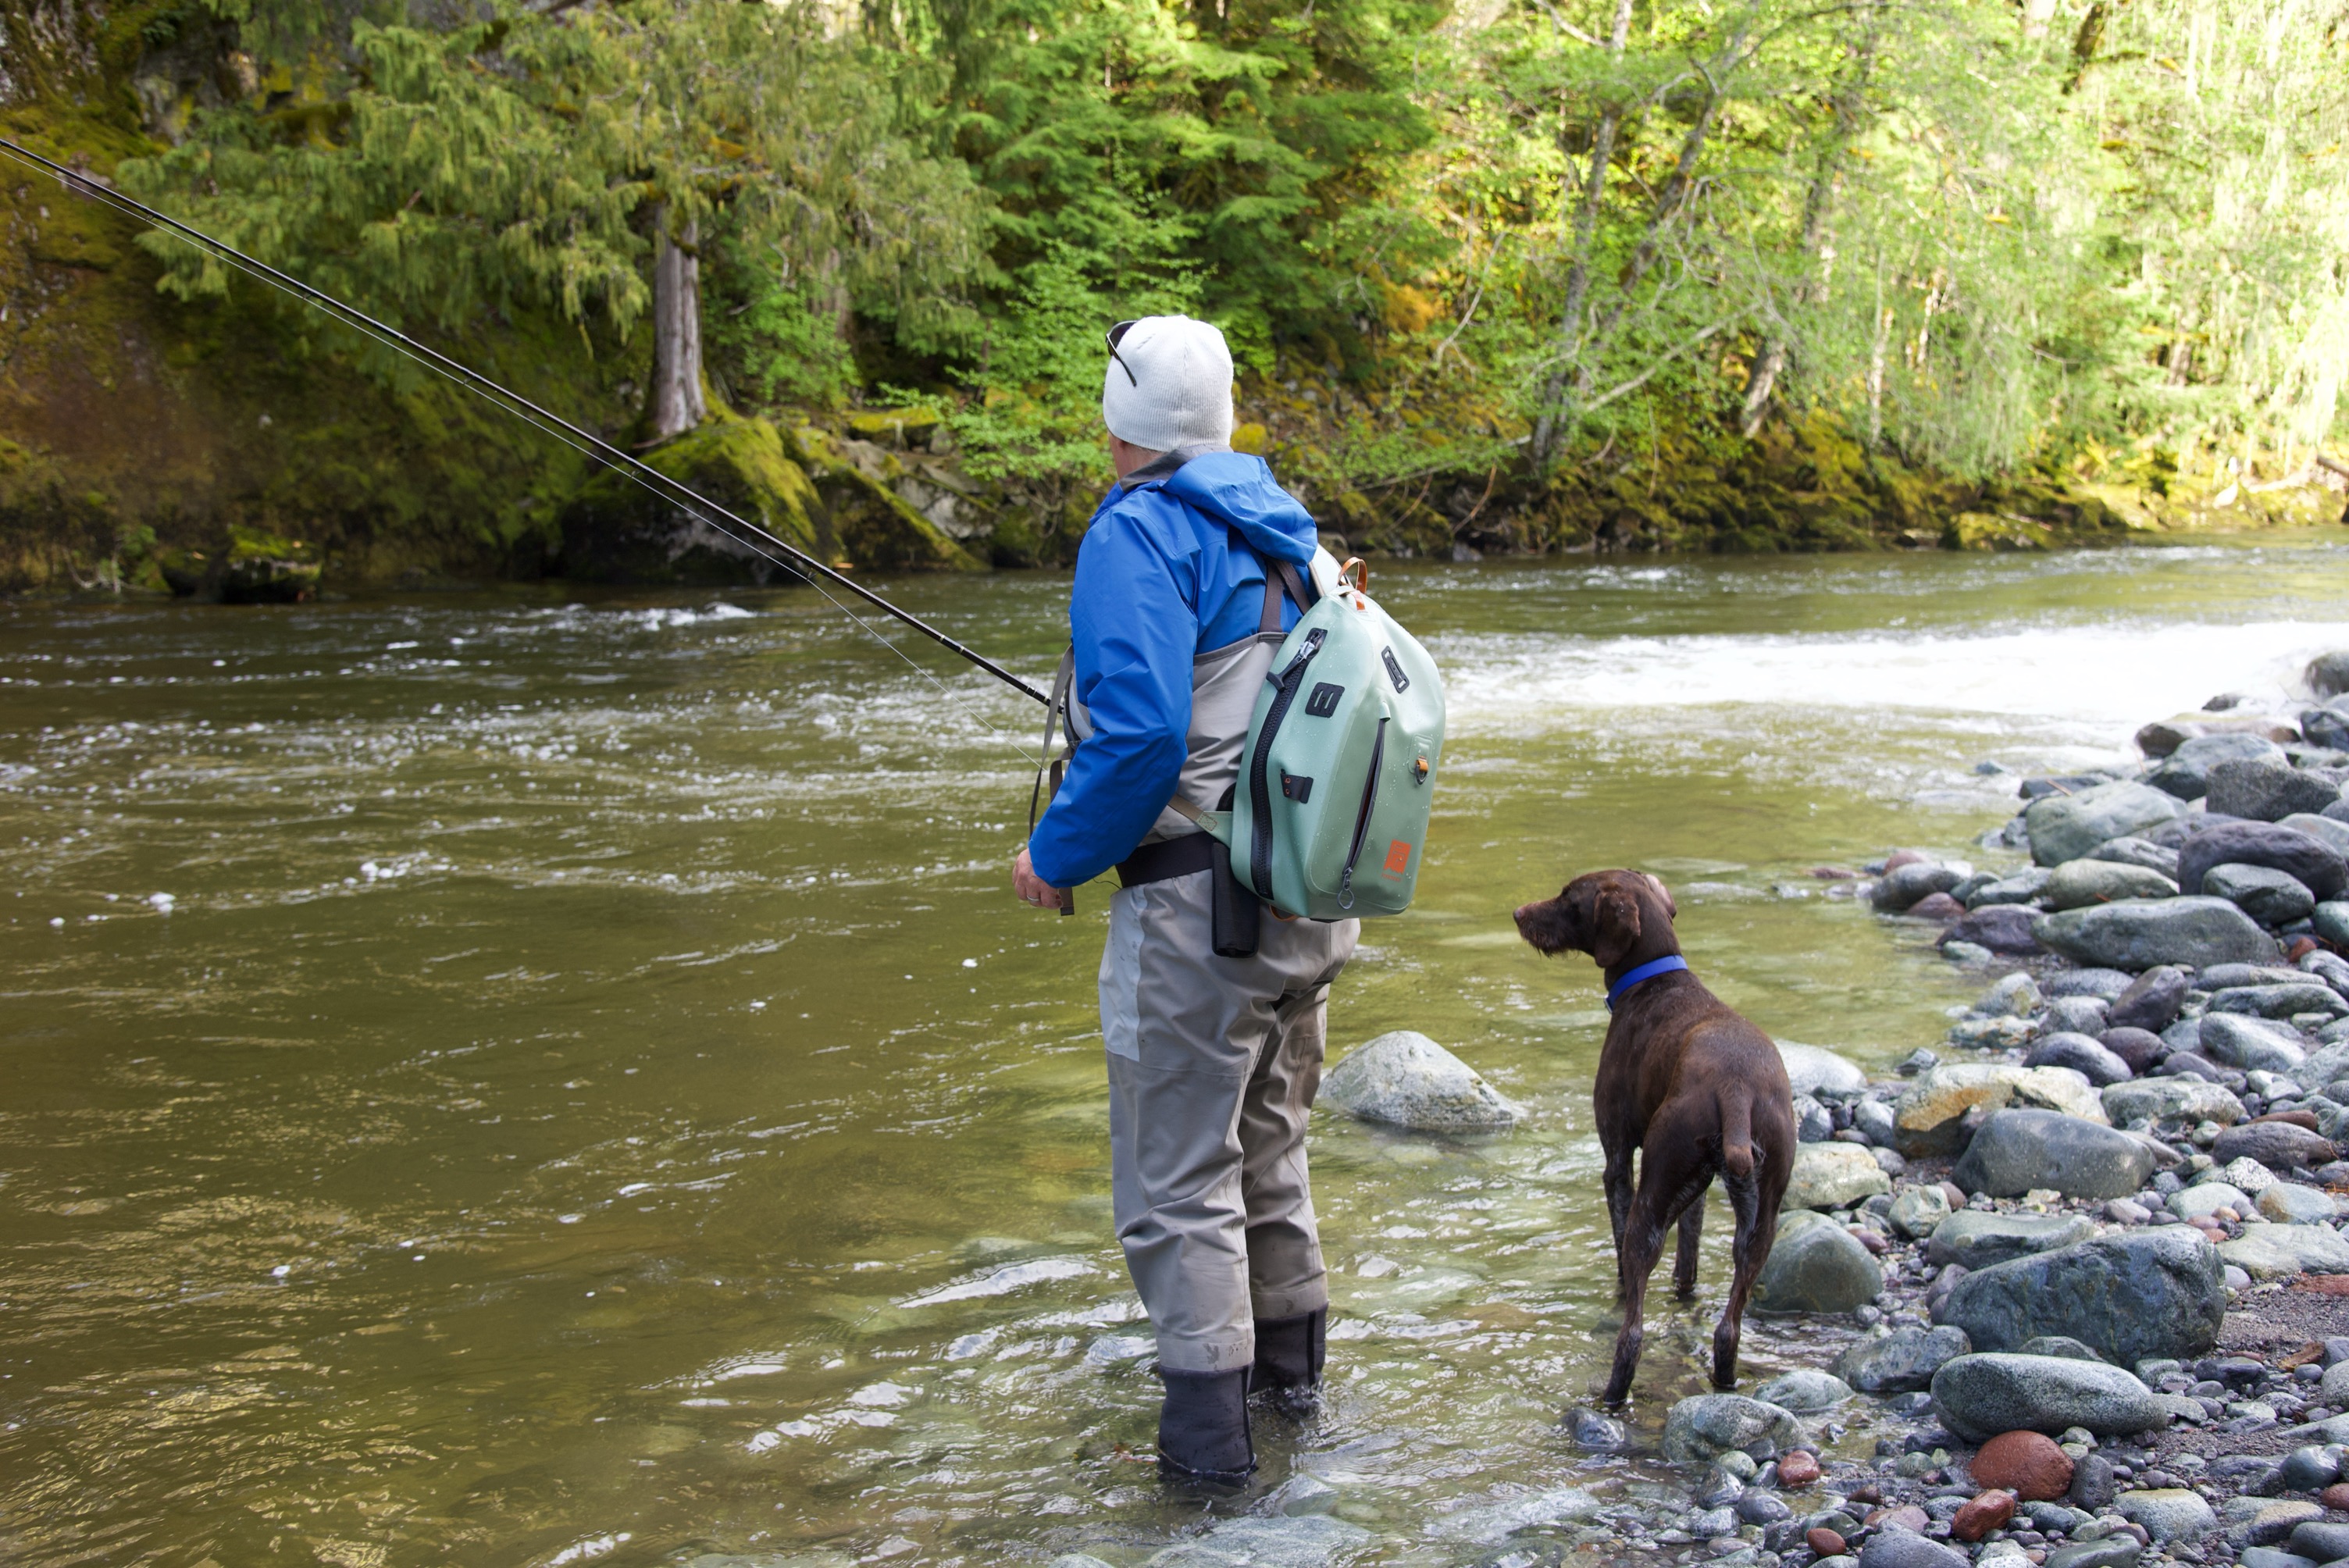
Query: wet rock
{"type": "Point", "coordinates": [1927, 1113]}
{"type": "Point", "coordinates": [2027, 1463]}
{"type": "Point", "coordinates": [1899, 889]}
{"type": "Point", "coordinates": [2289, 1203]}
{"type": "Point", "coordinates": [1823, 1542]}
{"type": "Point", "coordinates": [1980, 1395]}
{"type": "Point", "coordinates": [1807, 1391]}
{"type": "Point", "coordinates": [2317, 865]}
{"type": "Point", "coordinates": [2327, 674]}
{"type": "Point", "coordinates": [2066, 827]}
{"type": "Point", "coordinates": [1900, 1361]}
{"type": "Point", "coordinates": [2139, 933]}
{"type": "Point", "coordinates": [2017, 1152]}
{"type": "Point", "coordinates": [1599, 1434]}
{"type": "Point", "coordinates": [1405, 1079]}
{"type": "Point", "coordinates": [2139, 1049]}
{"type": "Point", "coordinates": [1897, 1548]}
{"type": "Point", "coordinates": [2188, 1101]}
{"type": "Point", "coordinates": [2287, 1252]}
{"type": "Point", "coordinates": [2081, 1054]}
{"type": "Point", "coordinates": [1308, 1540]}
{"type": "Point", "coordinates": [1934, 906]}
{"type": "Point", "coordinates": [1817, 1266]}
{"type": "Point", "coordinates": [2185, 772]}
{"type": "Point", "coordinates": [2278, 1145]}
{"type": "Point", "coordinates": [1917, 1210]}
{"type": "Point", "coordinates": [2279, 1001]}
{"type": "Point", "coordinates": [2272, 897]}
{"type": "Point", "coordinates": [1982, 1515]}
{"type": "Point", "coordinates": [2251, 1044]}
{"type": "Point", "coordinates": [2079, 882]}
{"type": "Point", "coordinates": [1981, 1240]}
{"type": "Point", "coordinates": [2265, 789]}
{"type": "Point", "coordinates": [2151, 1001]}
{"type": "Point", "coordinates": [1761, 1508]}
{"type": "Point", "coordinates": [1485, 1523]}
{"type": "Point", "coordinates": [1834, 1176]}
{"type": "Point", "coordinates": [1813, 1070]}
{"type": "Point", "coordinates": [1703, 1426]}
{"type": "Point", "coordinates": [2000, 928]}
{"type": "Point", "coordinates": [1797, 1468]}
{"type": "Point", "coordinates": [1712, 1523]}
{"type": "Point", "coordinates": [2168, 1514]}
{"type": "Point", "coordinates": [2157, 1292]}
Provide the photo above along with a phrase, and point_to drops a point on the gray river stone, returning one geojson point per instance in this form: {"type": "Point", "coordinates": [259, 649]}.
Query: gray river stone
{"type": "Point", "coordinates": [1703, 1426]}
{"type": "Point", "coordinates": [2185, 772]}
{"type": "Point", "coordinates": [1306, 1540]}
{"type": "Point", "coordinates": [2016, 1151]}
{"type": "Point", "coordinates": [1489, 1523]}
{"type": "Point", "coordinates": [2265, 789]}
{"type": "Point", "coordinates": [2251, 1044]}
{"type": "Point", "coordinates": [1813, 1070]}
{"type": "Point", "coordinates": [2283, 1001]}
{"type": "Point", "coordinates": [1817, 1266]}
{"type": "Point", "coordinates": [2138, 934]}
{"type": "Point", "coordinates": [2190, 1100]}
{"type": "Point", "coordinates": [2328, 675]}
{"type": "Point", "coordinates": [1405, 1079]}
{"type": "Point", "coordinates": [1903, 886]}
{"type": "Point", "coordinates": [1978, 1240]}
{"type": "Point", "coordinates": [2076, 1015]}
{"type": "Point", "coordinates": [2272, 897]}
{"type": "Point", "coordinates": [2285, 1251]}
{"type": "Point", "coordinates": [2139, 1049]}
{"type": "Point", "coordinates": [1893, 1547]}
{"type": "Point", "coordinates": [2278, 1145]}
{"type": "Point", "coordinates": [2144, 852]}
{"type": "Point", "coordinates": [1807, 1391]}
{"type": "Point", "coordinates": [2315, 863]}
{"type": "Point", "coordinates": [2157, 1292]}
{"type": "Point", "coordinates": [1918, 1209]}
{"type": "Point", "coordinates": [2066, 827]}
{"type": "Point", "coordinates": [1834, 1176]}
{"type": "Point", "coordinates": [2168, 1513]}
{"type": "Point", "coordinates": [2152, 1000]}
{"type": "Point", "coordinates": [1999, 927]}
{"type": "Point", "coordinates": [2332, 922]}
{"type": "Point", "coordinates": [2331, 830]}
{"type": "Point", "coordinates": [1901, 1360]}
{"type": "Point", "coordinates": [2082, 1053]}
{"type": "Point", "coordinates": [2089, 880]}
{"type": "Point", "coordinates": [1979, 1396]}
{"type": "Point", "coordinates": [2021, 887]}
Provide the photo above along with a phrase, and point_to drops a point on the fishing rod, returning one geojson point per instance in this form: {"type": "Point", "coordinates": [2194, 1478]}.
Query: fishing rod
{"type": "Point", "coordinates": [741, 531]}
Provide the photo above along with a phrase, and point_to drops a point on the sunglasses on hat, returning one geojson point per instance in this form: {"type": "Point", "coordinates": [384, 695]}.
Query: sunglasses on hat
{"type": "Point", "coordinates": [1116, 334]}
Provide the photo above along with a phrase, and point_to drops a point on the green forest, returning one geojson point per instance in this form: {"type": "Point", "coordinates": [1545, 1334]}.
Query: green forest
{"type": "Point", "coordinates": [1503, 275]}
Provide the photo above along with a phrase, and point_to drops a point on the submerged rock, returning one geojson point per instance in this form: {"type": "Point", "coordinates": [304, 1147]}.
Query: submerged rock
{"type": "Point", "coordinates": [1980, 1395]}
{"type": "Point", "coordinates": [2157, 1292]}
{"type": "Point", "coordinates": [2016, 1151]}
{"type": "Point", "coordinates": [1817, 1266]}
{"type": "Point", "coordinates": [1405, 1079]}
{"type": "Point", "coordinates": [1304, 1541]}
{"type": "Point", "coordinates": [2138, 934]}
{"type": "Point", "coordinates": [1490, 1522]}
{"type": "Point", "coordinates": [1703, 1426]}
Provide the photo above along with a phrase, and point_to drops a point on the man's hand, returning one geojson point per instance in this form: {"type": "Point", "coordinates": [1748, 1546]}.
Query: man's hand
{"type": "Point", "coordinates": [1032, 888]}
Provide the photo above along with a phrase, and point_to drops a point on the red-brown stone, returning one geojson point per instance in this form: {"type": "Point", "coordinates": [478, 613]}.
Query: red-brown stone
{"type": "Point", "coordinates": [1899, 858]}
{"type": "Point", "coordinates": [1823, 1542]}
{"type": "Point", "coordinates": [1983, 1514]}
{"type": "Point", "coordinates": [2302, 947]}
{"type": "Point", "coordinates": [2027, 1464]}
{"type": "Point", "coordinates": [1907, 1516]}
{"type": "Point", "coordinates": [1797, 1467]}
{"type": "Point", "coordinates": [1868, 1492]}
{"type": "Point", "coordinates": [2335, 1496]}
{"type": "Point", "coordinates": [1936, 906]}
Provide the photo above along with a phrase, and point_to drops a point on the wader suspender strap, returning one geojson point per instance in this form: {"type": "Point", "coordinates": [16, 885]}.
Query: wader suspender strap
{"type": "Point", "coordinates": [1278, 575]}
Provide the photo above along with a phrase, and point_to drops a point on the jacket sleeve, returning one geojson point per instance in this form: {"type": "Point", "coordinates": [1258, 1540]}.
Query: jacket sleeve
{"type": "Point", "coordinates": [1136, 630]}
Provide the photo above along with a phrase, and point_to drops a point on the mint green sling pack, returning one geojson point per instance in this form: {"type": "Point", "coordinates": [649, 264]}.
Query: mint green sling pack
{"type": "Point", "coordinates": [1329, 817]}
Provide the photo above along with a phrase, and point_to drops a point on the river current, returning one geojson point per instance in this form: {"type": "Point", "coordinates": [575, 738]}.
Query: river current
{"type": "Point", "coordinates": [533, 1077]}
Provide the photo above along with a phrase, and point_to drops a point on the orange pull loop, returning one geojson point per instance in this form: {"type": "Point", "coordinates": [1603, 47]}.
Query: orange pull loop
{"type": "Point", "coordinates": [1360, 570]}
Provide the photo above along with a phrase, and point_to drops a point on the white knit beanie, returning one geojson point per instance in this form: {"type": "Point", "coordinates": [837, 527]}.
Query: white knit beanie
{"type": "Point", "coordinates": [1169, 386]}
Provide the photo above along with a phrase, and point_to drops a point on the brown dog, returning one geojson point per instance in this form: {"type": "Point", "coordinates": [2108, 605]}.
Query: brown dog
{"type": "Point", "coordinates": [1696, 1089]}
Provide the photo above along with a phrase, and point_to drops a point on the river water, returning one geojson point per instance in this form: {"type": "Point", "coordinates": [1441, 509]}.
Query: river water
{"type": "Point", "coordinates": [533, 1077]}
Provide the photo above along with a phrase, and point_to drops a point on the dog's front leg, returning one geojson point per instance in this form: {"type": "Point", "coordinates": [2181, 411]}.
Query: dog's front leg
{"type": "Point", "coordinates": [1692, 1232]}
{"type": "Point", "coordinates": [1635, 1259]}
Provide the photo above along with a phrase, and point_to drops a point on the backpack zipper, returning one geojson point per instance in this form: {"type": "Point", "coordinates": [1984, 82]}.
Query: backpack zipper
{"type": "Point", "coordinates": [1259, 787]}
{"type": "Point", "coordinates": [1362, 822]}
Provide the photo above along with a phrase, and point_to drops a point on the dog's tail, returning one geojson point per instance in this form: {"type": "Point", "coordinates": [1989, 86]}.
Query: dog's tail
{"type": "Point", "coordinates": [1737, 1133]}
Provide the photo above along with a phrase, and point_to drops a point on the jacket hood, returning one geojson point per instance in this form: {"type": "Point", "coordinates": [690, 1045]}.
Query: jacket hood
{"type": "Point", "coordinates": [1238, 489]}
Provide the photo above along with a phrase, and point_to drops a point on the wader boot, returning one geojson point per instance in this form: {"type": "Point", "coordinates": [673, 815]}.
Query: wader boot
{"type": "Point", "coordinates": [1288, 1355]}
{"type": "Point", "coordinates": [1203, 1428]}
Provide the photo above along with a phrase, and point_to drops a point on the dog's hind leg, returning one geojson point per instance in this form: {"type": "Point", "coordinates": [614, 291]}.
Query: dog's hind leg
{"type": "Point", "coordinates": [1615, 1177]}
{"type": "Point", "coordinates": [1749, 1250]}
{"type": "Point", "coordinates": [1691, 1231]}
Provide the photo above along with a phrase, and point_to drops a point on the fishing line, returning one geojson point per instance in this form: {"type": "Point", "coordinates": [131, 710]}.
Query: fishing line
{"type": "Point", "coordinates": [751, 535]}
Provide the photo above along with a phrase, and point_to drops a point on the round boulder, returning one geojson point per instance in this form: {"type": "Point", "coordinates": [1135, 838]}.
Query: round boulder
{"type": "Point", "coordinates": [2158, 1290]}
{"type": "Point", "coordinates": [2315, 864]}
{"type": "Point", "coordinates": [2138, 934]}
{"type": "Point", "coordinates": [1902, 1361]}
{"type": "Point", "coordinates": [1979, 1396]}
{"type": "Point", "coordinates": [2081, 1054]}
{"type": "Point", "coordinates": [2025, 1463]}
{"type": "Point", "coordinates": [1817, 1266]}
{"type": "Point", "coordinates": [1405, 1079]}
{"type": "Point", "coordinates": [1703, 1426]}
{"type": "Point", "coordinates": [2272, 897]}
{"type": "Point", "coordinates": [2017, 1152]}
{"type": "Point", "coordinates": [2079, 882]}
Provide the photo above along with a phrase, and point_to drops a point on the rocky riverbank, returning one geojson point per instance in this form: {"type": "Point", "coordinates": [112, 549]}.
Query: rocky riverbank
{"type": "Point", "coordinates": [2075, 1275]}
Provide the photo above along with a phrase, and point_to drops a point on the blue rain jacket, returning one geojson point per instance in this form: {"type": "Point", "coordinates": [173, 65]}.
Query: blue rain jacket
{"type": "Point", "coordinates": [1160, 579]}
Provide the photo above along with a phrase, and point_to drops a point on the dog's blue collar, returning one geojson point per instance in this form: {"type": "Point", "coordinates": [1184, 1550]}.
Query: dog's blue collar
{"type": "Point", "coordinates": [1647, 971]}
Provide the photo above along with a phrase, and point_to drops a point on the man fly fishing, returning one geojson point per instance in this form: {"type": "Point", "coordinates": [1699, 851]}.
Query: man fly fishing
{"type": "Point", "coordinates": [1191, 570]}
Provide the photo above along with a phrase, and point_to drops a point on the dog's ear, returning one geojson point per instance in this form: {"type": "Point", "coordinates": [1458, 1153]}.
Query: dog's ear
{"type": "Point", "coordinates": [1663, 892]}
{"type": "Point", "coordinates": [1614, 924]}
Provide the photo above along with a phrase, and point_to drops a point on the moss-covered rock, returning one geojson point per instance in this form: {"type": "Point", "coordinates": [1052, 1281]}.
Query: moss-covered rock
{"type": "Point", "coordinates": [871, 523]}
{"type": "Point", "coordinates": [620, 530]}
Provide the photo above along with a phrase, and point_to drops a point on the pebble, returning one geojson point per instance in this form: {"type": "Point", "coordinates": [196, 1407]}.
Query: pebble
{"type": "Point", "coordinates": [1988, 1512]}
{"type": "Point", "coordinates": [1823, 1542]}
{"type": "Point", "coordinates": [1799, 1469]}
{"type": "Point", "coordinates": [1898, 1548]}
{"type": "Point", "coordinates": [2027, 1463]}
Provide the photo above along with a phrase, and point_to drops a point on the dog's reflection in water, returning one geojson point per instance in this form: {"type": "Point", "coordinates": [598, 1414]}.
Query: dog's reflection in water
{"type": "Point", "coordinates": [1691, 1088]}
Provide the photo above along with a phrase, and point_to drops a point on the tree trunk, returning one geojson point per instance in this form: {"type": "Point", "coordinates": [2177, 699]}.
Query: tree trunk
{"type": "Point", "coordinates": [1577, 278]}
{"type": "Point", "coordinates": [676, 404]}
{"type": "Point", "coordinates": [1848, 102]}
{"type": "Point", "coordinates": [2036, 14]}
{"type": "Point", "coordinates": [1876, 373]}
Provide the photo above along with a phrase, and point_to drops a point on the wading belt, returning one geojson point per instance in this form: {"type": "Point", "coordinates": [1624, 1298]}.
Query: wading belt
{"type": "Point", "coordinates": [1171, 858]}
